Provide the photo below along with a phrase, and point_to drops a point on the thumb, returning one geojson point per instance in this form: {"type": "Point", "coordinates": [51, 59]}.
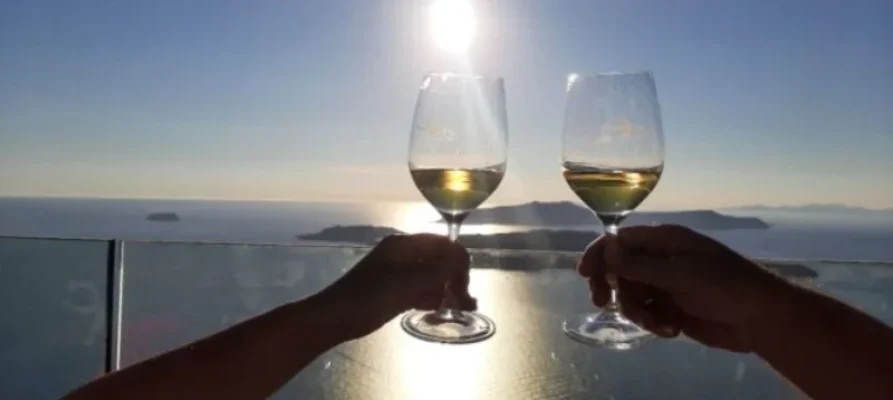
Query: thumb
{"type": "Point", "coordinates": [460, 273]}
{"type": "Point", "coordinates": [449, 271]}
{"type": "Point", "coordinates": [436, 264]}
{"type": "Point", "coordinates": [454, 264]}
{"type": "Point", "coordinates": [657, 271]}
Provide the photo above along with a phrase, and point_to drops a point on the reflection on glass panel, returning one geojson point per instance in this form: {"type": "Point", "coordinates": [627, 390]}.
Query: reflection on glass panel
{"type": "Point", "coordinates": [176, 293]}
{"type": "Point", "coordinates": [53, 294]}
{"type": "Point", "coordinates": [867, 286]}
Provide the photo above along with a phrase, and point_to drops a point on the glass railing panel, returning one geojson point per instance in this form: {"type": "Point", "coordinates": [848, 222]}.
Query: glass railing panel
{"type": "Point", "coordinates": [54, 311]}
{"type": "Point", "coordinates": [867, 286]}
{"type": "Point", "coordinates": [176, 293]}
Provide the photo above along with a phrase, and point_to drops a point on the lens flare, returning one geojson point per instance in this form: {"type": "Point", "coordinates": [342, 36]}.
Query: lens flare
{"type": "Point", "coordinates": [453, 25]}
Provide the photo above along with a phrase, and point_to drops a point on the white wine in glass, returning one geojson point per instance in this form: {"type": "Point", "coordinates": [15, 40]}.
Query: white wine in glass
{"type": "Point", "coordinates": [457, 156]}
{"type": "Point", "coordinates": [457, 192]}
{"type": "Point", "coordinates": [613, 157]}
{"type": "Point", "coordinates": [611, 192]}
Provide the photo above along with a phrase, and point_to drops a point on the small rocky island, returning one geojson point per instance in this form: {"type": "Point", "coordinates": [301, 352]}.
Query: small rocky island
{"type": "Point", "coordinates": [163, 217]}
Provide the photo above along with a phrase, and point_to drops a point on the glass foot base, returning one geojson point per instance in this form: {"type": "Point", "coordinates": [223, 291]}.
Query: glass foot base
{"type": "Point", "coordinates": [455, 327]}
{"type": "Point", "coordinates": [608, 329]}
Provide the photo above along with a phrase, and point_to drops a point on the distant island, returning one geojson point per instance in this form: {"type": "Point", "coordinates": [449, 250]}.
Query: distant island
{"type": "Point", "coordinates": [818, 208]}
{"type": "Point", "coordinates": [564, 247]}
{"type": "Point", "coordinates": [568, 214]}
{"type": "Point", "coordinates": [541, 239]}
{"type": "Point", "coordinates": [163, 217]}
{"type": "Point", "coordinates": [358, 234]}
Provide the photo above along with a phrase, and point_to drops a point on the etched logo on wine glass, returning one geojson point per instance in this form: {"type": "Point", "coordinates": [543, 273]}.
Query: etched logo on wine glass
{"type": "Point", "coordinates": [438, 133]}
{"type": "Point", "coordinates": [624, 128]}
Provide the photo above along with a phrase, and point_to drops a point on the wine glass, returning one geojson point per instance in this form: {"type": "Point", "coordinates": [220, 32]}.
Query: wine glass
{"type": "Point", "coordinates": [613, 156]}
{"type": "Point", "coordinates": [457, 156]}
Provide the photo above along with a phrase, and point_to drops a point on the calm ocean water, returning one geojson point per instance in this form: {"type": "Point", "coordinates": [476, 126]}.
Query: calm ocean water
{"type": "Point", "coordinates": [792, 235]}
{"type": "Point", "coordinates": [55, 293]}
{"type": "Point", "coordinates": [176, 293]}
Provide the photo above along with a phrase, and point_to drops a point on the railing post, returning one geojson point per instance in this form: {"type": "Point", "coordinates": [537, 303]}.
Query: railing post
{"type": "Point", "coordinates": [114, 304]}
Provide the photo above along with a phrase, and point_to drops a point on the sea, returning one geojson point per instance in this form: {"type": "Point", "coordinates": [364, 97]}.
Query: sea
{"type": "Point", "coordinates": [792, 234]}
{"type": "Point", "coordinates": [225, 261]}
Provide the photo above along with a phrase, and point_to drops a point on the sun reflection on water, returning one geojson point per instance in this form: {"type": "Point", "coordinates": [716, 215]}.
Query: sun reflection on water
{"type": "Point", "coordinates": [513, 364]}
{"type": "Point", "coordinates": [434, 371]}
{"type": "Point", "coordinates": [419, 217]}
{"type": "Point", "coordinates": [439, 371]}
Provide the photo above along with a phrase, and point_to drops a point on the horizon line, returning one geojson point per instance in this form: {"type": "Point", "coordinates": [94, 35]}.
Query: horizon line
{"type": "Point", "coordinates": [368, 200]}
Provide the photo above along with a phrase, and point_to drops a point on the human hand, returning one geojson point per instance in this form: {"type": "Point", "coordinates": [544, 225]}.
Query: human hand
{"type": "Point", "coordinates": [402, 273]}
{"type": "Point", "coordinates": [672, 279]}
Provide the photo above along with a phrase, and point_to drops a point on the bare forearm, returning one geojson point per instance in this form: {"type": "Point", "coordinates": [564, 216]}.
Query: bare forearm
{"type": "Point", "coordinates": [248, 361]}
{"type": "Point", "coordinates": [828, 349]}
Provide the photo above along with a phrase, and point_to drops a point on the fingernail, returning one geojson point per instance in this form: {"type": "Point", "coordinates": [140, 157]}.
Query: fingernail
{"type": "Point", "coordinates": [667, 331]}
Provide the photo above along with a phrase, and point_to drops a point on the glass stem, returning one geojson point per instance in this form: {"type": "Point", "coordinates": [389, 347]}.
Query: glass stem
{"type": "Point", "coordinates": [447, 310]}
{"type": "Point", "coordinates": [453, 230]}
{"type": "Point", "coordinates": [613, 305]}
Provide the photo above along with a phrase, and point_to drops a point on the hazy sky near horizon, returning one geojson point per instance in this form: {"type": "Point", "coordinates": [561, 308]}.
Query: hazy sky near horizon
{"type": "Point", "coordinates": [764, 101]}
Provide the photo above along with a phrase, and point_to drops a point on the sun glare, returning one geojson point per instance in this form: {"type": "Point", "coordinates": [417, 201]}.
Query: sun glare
{"type": "Point", "coordinates": [453, 25]}
{"type": "Point", "coordinates": [418, 217]}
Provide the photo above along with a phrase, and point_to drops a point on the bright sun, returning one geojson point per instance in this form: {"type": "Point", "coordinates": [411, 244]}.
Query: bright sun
{"type": "Point", "coordinates": [452, 25]}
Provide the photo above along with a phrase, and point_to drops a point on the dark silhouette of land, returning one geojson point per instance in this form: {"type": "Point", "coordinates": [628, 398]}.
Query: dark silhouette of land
{"type": "Point", "coordinates": [540, 239]}
{"type": "Point", "coordinates": [820, 208]}
{"type": "Point", "coordinates": [163, 217]}
{"type": "Point", "coordinates": [531, 250]}
{"type": "Point", "coordinates": [359, 234]}
{"type": "Point", "coordinates": [568, 214]}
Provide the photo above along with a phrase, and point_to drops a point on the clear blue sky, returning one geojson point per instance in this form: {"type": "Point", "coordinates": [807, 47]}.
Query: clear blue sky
{"type": "Point", "coordinates": [764, 101]}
